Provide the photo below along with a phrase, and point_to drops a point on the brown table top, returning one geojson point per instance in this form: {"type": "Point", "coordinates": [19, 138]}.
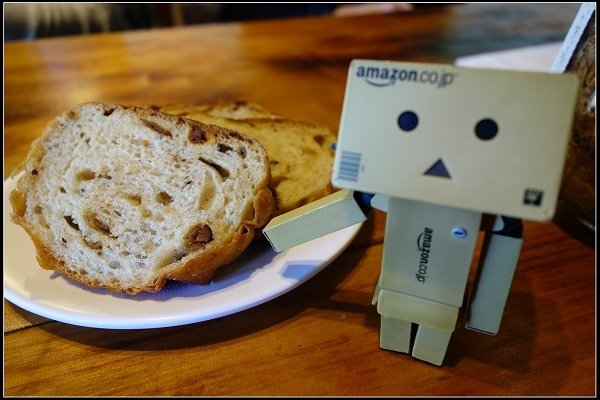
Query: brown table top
{"type": "Point", "coordinates": [321, 338]}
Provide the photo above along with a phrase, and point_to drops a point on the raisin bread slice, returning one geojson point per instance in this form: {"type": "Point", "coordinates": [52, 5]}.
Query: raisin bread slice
{"type": "Point", "coordinates": [128, 197]}
{"type": "Point", "coordinates": [300, 153]}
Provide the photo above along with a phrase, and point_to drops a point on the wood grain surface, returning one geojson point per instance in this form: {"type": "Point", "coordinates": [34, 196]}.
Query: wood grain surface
{"type": "Point", "coordinates": [321, 338]}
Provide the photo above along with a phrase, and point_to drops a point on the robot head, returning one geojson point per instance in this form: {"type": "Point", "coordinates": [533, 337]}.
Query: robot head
{"type": "Point", "coordinates": [486, 140]}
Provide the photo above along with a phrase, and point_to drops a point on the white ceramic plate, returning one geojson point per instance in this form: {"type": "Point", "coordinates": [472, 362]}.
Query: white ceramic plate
{"type": "Point", "coordinates": [259, 275]}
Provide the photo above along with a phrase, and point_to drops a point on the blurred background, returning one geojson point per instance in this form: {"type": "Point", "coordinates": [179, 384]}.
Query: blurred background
{"type": "Point", "coordinates": [28, 21]}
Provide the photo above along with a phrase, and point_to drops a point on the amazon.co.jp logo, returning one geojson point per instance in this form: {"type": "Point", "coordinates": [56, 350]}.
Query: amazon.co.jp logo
{"type": "Point", "coordinates": [377, 76]}
{"type": "Point", "coordinates": [424, 248]}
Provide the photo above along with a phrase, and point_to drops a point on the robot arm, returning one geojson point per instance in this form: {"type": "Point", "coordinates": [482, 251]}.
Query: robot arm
{"type": "Point", "coordinates": [498, 260]}
{"type": "Point", "coordinates": [331, 213]}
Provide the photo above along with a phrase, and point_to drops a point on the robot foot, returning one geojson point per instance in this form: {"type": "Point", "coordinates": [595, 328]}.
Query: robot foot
{"type": "Point", "coordinates": [395, 334]}
{"type": "Point", "coordinates": [429, 344]}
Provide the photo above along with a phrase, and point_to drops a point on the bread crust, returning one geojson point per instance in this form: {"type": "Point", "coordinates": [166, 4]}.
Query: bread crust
{"type": "Point", "coordinates": [203, 239]}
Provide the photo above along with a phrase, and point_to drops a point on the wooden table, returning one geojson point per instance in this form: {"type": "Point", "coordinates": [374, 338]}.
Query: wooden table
{"type": "Point", "coordinates": [321, 338]}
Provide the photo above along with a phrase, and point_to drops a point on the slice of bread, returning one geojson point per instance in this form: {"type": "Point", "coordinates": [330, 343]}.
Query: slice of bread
{"type": "Point", "coordinates": [301, 153]}
{"type": "Point", "coordinates": [127, 197]}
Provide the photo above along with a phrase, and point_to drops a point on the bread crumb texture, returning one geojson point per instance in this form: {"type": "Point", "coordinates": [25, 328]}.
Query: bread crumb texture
{"type": "Point", "coordinates": [300, 153]}
{"type": "Point", "coordinates": [127, 197]}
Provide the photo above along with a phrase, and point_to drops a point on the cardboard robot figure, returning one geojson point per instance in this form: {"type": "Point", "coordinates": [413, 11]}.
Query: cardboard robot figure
{"type": "Point", "coordinates": [440, 147]}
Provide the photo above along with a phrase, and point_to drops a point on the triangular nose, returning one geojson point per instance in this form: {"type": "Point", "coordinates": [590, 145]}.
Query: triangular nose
{"type": "Point", "coordinates": [438, 169]}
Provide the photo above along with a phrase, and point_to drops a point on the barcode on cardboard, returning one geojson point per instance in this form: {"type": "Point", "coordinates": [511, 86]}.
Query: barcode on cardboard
{"type": "Point", "coordinates": [349, 166]}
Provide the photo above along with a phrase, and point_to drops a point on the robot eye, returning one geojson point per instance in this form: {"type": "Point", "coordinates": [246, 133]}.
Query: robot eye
{"type": "Point", "coordinates": [408, 121]}
{"type": "Point", "coordinates": [486, 129]}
